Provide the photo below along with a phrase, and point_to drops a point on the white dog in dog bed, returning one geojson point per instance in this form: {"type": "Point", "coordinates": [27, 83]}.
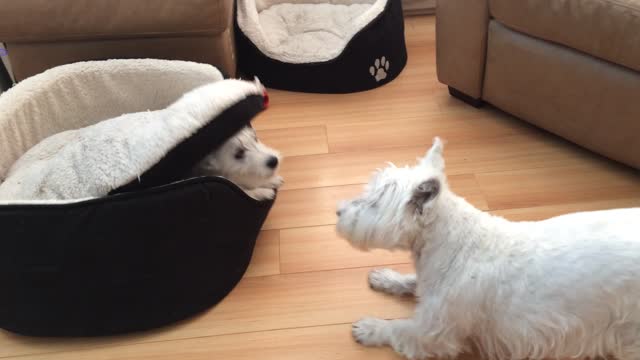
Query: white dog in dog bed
{"type": "Point", "coordinates": [94, 160]}
{"type": "Point", "coordinates": [247, 162]}
{"type": "Point", "coordinates": [565, 287]}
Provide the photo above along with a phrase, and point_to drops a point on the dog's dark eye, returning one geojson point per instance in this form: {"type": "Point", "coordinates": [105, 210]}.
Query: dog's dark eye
{"type": "Point", "coordinates": [239, 154]}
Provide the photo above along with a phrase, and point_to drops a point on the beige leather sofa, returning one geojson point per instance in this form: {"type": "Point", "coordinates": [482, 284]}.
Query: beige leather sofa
{"type": "Point", "coordinates": [40, 34]}
{"type": "Point", "coordinates": [571, 67]}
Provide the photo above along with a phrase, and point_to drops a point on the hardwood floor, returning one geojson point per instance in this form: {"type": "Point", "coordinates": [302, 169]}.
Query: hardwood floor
{"type": "Point", "coordinates": [305, 285]}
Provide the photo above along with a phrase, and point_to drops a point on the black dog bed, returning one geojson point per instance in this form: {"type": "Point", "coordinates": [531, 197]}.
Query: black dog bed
{"type": "Point", "coordinates": [155, 250]}
{"type": "Point", "coordinates": [321, 46]}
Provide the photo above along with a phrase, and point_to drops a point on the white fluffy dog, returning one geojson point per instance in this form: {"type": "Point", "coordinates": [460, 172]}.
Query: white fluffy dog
{"type": "Point", "coordinates": [247, 162]}
{"type": "Point", "coordinates": [568, 286]}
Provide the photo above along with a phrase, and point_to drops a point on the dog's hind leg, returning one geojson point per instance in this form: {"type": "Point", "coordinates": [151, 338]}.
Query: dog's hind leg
{"type": "Point", "coordinates": [392, 282]}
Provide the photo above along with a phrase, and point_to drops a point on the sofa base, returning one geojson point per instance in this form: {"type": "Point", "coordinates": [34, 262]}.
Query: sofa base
{"type": "Point", "coordinates": [28, 59]}
{"type": "Point", "coordinates": [583, 99]}
{"type": "Point", "coordinates": [477, 103]}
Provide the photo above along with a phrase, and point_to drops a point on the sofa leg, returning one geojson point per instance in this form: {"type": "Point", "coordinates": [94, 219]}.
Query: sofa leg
{"type": "Point", "coordinates": [466, 98]}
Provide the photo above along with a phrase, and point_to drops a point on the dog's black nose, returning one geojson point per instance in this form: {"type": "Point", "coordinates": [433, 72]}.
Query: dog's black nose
{"type": "Point", "coordinates": [339, 212]}
{"type": "Point", "coordinates": [272, 163]}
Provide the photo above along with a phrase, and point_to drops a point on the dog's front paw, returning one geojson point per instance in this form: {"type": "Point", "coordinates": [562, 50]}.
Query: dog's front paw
{"type": "Point", "coordinates": [276, 182]}
{"type": "Point", "coordinates": [370, 332]}
{"type": "Point", "coordinates": [392, 282]}
{"type": "Point", "coordinates": [262, 194]}
{"type": "Point", "coordinates": [379, 279]}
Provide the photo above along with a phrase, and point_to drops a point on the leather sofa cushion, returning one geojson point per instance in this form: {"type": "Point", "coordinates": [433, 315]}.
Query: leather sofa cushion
{"type": "Point", "coordinates": [54, 20]}
{"type": "Point", "coordinates": [581, 98]}
{"type": "Point", "coordinates": [607, 29]}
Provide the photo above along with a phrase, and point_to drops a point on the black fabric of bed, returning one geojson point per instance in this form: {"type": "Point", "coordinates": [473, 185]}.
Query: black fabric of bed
{"type": "Point", "coordinates": [158, 252]}
{"type": "Point", "coordinates": [349, 72]}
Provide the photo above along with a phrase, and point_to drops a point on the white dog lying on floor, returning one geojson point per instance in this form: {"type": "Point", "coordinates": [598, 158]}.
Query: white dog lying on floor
{"type": "Point", "coordinates": [564, 287]}
{"type": "Point", "coordinates": [247, 162]}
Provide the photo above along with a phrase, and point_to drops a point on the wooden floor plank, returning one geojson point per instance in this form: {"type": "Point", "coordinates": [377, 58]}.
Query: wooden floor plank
{"type": "Point", "coordinates": [547, 211]}
{"type": "Point", "coordinates": [558, 185]}
{"type": "Point", "coordinates": [356, 167]}
{"type": "Point", "coordinates": [296, 141]}
{"type": "Point", "coordinates": [380, 134]}
{"type": "Point", "coordinates": [411, 99]}
{"type": "Point", "coordinates": [334, 110]}
{"type": "Point", "coordinates": [266, 255]}
{"type": "Point", "coordinates": [527, 150]}
{"type": "Point", "coordinates": [308, 207]}
{"type": "Point", "coordinates": [257, 304]}
{"type": "Point", "coordinates": [320, 248]}
{"type": "Point", "coordinates": [316, 207]}
{"type": "Point", "coordinates": [316, 343]}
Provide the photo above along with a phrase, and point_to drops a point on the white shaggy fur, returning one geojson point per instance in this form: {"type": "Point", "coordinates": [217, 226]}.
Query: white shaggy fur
{"type": "Point", "coordinates": [81, 94]}
{"type": "Point", "coordinates": [565, 287]}
{"type": "Point", "coordinates": [247, 162]}
{"type": "Point", "coordinates": [305, 31]}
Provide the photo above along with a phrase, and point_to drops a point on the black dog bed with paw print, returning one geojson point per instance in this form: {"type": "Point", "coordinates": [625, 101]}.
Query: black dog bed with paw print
{"type": "Point", "coordinates": [321, 46]}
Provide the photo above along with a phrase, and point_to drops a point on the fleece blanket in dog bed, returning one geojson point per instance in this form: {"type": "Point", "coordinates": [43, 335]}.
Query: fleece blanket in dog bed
{"type": "Point", "coordinates": [321, 46]}
{"type": "Point", "coordinates": [103, 230]}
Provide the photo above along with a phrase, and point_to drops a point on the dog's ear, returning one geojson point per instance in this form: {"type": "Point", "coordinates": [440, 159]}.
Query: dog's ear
{"type": "Point", "coordinates": [434, 157]}
{"type": "Point", "coordinates": [424, 193]}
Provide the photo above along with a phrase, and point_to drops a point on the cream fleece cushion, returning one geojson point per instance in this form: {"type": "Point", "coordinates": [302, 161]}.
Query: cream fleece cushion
{"type": "Point", "coordinates": [80, 130]}
{"type": "Point", "coordinates": [307, 31]}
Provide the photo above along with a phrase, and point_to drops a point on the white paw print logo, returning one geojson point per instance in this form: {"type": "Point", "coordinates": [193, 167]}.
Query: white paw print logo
{"type": "Point", "coordinates": [379, 69]}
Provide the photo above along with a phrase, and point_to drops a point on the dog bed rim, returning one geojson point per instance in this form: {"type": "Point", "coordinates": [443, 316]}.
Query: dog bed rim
{"type": "Point", "coordinates": [39, 83]}
{"type": "Point", "coordinates": [39, 86]}
{"type": "Point", "coordinates": [91, 70]}
{"type": "Point", "coordinates": [127, 196]}
{"type": "Point", "coordinates": [346, 44]}
{"type": "Point", "coordinates": [342, 54]}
